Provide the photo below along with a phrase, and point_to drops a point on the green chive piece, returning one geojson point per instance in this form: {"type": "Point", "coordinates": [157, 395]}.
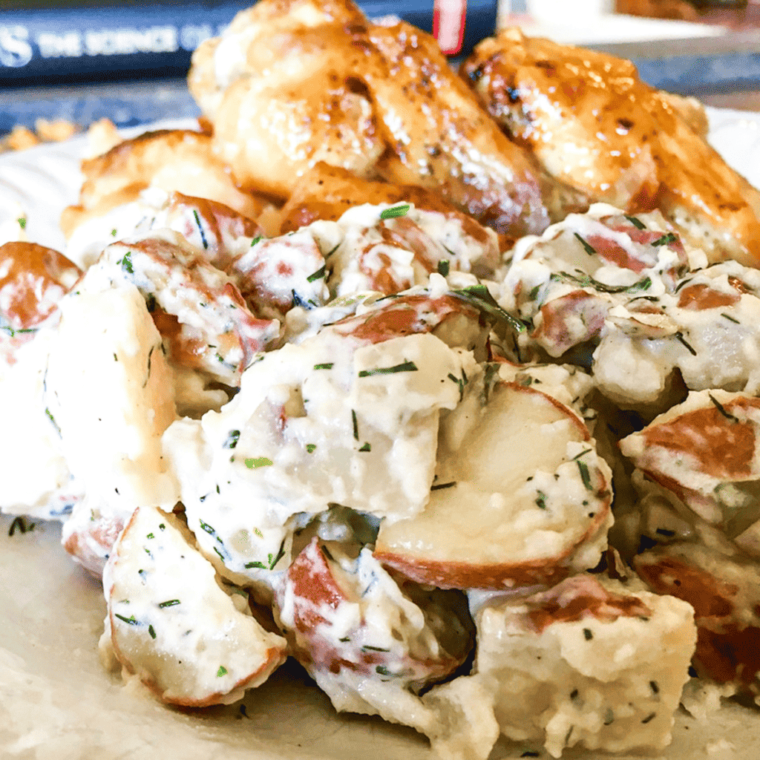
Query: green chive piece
{"type": "Point", "coordinates": [170, 603]}
{"type": "Point", "coordinates": [318, 275]}
{"type": "Point", "coordinates": [253, 463]}
{"type": "Point", "coordinates": [722, 409]}
{"type": "Point", "coordinates": [395, 211]}
{"type": "Point", "coordinates": [406, 366]}
{"type": "Point", "coordinates": [221, 672]}
{"type": "Point", "coordinates": [590, 250]}
{"type": "Point", "coordinates": [637, 223]}
{"type": "Point", "coordinates": [671, 237]}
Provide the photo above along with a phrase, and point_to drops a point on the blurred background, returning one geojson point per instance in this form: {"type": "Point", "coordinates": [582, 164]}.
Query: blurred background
{"type": "Point", "coordinates": [67, 63]}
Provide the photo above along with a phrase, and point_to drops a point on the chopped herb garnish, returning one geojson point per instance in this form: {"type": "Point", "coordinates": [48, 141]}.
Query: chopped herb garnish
{"type": "Point", "coordinates": [326, 365]}
{"type": "Point", "coordinates": [679, 337]}
{"type": "Point", "coordinates": [480, 297]}
{"type": "Point", "coordinates": [649, 717]}
{"type": "Point", "coordinates": [253, 463]}
{"type": "Point", "coordinates": [671, 237]}
{"type": "Point", "coordinates": [586, 281]}
{"type": "Point", "coordinates": [20, 524]}
{"type": "Point", "coordinates": [406, 366]}
{"type": "Point", "coordinates": [590, 250]}
{"type": "Point", "coordinates": [152, 631]}
{"type": "Point", "coordinates": [200, 229]}
{"type": "Point", "coordinates": [722, 409]}
{"type": "Point", "coordinates": [368, 648]}
{"type": "Point", "coordinates": [150, 535]}
{"type": "Point", "coordinates": [280, 553]}
{"type": "Point", "coordinates": [170, 603]}
{"type": "Point", "coordinates": [383, 671]}
{"type": "Point", "coordinates": [655, 687]}
{"type": "Point", "coordinates": [637, 223]}
{"type": "Point", "coordinates": [22, 222]}
{"type": "Point", "coordinates": [221, 672]}
{"type": "Point", "coordinates": [460, 381]}
{"type": "Point", "coordinates": [587, 634]}
{"type": "Point", "coordinates": [443, 267]}
{"type": "Point", "coordinates": [311, 448]}
{"type": "Point", "coordinates": [128, 620]}
{"type": "Point", "coordinates": [730, 318]}
{"type": "Point", "coordinates": [441, 486]}
{"type": "Point", "coordinates": [355, 425]}
{"type": "Point", "coordinates": [207, 528]}
{"type": "Point", "coordinates": [395, 211]}
{"type": "Point", "coordinates": [585, 477]}
{"type": "Point", "coordinates": [609, 717]}
{"type": "Point", "coordinates": [365, 447]}
{"type": "Point", "coordinates": [541, 500]}
{"type": "Point", "coordinates": [257, 565]}
{"type": "Point", "coordinates": [318, 275]}
{"type": "Point", "coordinates": [126, 263]}
{"type": "Point", "coordinates": [665, 532]}
{"type": "Point", "coordinates": [257, 239]}
{"type": "Point", "coordinates": [232, 439]}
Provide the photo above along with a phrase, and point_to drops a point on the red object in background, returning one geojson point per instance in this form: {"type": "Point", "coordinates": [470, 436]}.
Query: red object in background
{"type": "Point", "coordinates": [449, 18]}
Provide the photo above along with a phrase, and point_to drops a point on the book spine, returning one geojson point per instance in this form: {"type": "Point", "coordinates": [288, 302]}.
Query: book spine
{"type": "Point", "coordinates": [89, 43]}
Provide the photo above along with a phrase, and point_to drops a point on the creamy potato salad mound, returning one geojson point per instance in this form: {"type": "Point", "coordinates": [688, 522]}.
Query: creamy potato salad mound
{"type": "Point", "coordinates": [477, 494]}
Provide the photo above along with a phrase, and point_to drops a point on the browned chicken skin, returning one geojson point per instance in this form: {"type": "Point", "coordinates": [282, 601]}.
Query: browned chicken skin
{"type": "Point", "coordinates": [592, 123]}
{"type": "Point", "coordinates": [297, 82]}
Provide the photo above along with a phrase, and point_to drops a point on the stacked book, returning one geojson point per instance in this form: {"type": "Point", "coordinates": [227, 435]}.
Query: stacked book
{"type": "Point", "coordinates": [104, 40]}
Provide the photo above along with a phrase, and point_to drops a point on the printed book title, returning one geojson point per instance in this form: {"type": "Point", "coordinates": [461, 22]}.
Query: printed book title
{"type": "Point", "coordinates": [18, 46]}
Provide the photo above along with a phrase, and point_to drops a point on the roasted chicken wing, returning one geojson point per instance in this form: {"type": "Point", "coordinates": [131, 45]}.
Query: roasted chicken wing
{"type": "Point", "coordinates": [592, 123]}
{"type": "Point", "coordinates": [296, 82]}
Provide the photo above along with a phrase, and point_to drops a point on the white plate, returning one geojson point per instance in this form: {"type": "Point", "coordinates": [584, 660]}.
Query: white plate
{"type": "Point", "coordinates": [57, 702]}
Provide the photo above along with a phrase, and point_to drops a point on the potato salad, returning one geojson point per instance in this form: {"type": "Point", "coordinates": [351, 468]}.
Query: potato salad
{"type": "Point", "coordinates": [480, 494]}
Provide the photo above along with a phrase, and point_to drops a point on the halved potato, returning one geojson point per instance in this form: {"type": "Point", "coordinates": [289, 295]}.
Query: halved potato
{"type": "Point", "coordinates": [173, 625]}
{"type": "Point", "coordinates": [589, 663]}
{"type": "Point", "coordinates": [723, 588]}
{"type": "Point", "coordinates": [347, 613]}
{"type": "Point", "coordinates": [705, 452]}
{"type": "Point", "coordinates": [520, 496]}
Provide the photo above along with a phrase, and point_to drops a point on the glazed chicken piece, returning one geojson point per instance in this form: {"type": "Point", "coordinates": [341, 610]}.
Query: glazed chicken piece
{"type": "Point", "coordinates": [280, 89]}
{"type": "Point", "coordinates": [172, 160]}
{"type": "Point", "coordinates": [438, 137]}
{"type": "Point", "coordinates": [296, 82]}
{"type": "Point", "coordinates": [592, 123]}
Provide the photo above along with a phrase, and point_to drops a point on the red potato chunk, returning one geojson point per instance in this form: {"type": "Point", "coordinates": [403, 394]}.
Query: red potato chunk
{"type": "Point", "coordinates": [209, 226]}
{"type": "Point", "coordinates": [723, 590]}
{"type": "Point", "coordinates": [502, 514]}
{"type": "Point", "coordinates": [704, 451]}
{"type": "Point", "coordinates": [173, 625]}
{"type": "Point", "coordinates": [344, 613]}
{"type": "Point", "coordinates": [201, 312]}
{"type": "Point", "coordinates": [33, 279]}
{"type": "Point", "coordinates": [277, 274]}
{"type": "Point", "coordinates": [394, 248]}
{"type": "Point", "coordinates": [595, 665]}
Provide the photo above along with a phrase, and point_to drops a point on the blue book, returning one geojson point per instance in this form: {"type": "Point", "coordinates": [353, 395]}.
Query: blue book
{"type": "Point", "coordinates": [72, 42]}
